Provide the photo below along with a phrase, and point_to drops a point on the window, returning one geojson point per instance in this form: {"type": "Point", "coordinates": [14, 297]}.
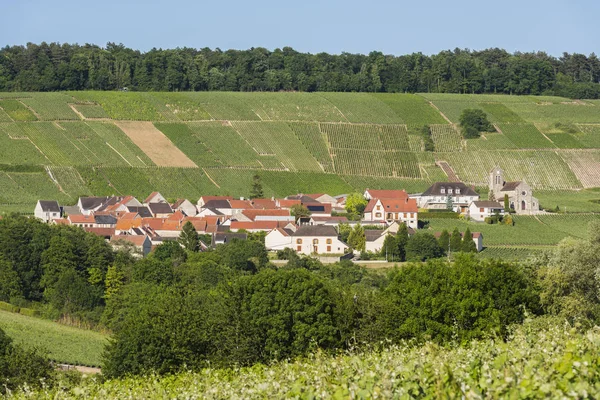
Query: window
{"type": "Point", "coordinates": [524, 193]}
{"type": "Point", "coordinates": [299, 241]}
{"type": "Point", "coordinates": [404, 215]}
{"type": "Point", "coordinates": [329, 249]}
{"type": "Point", "coordinates": [315, 241]}
{"type": "Point", "coordinates": [328, 241]}
{"type": "Point", "coordinates": [377, 215]}
{"type": "Point", "coordinates": [390, 216]}
{"type": "Point", "coordinates": [481, 210]}
{"type": "Point", "coordinates": [299, 248]}
{"type": "Point", "coordinates": [378, 208]}
{"type": "Point", "coordinates": [443, 190]}
{"type": "Point", "coordinates": [449, 190]}
{"type": "Point", "coordinates": [457, 191]}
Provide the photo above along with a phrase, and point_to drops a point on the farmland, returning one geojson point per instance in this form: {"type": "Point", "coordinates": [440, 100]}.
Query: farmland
{"type": "Point", "coordinates": [64, 344]}
{"type": "Point", "coordinates": [295, 141]}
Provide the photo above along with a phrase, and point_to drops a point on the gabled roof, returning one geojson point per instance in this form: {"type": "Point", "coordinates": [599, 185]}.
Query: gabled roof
{"type": "Point", "coordinates": [316, 230]}
{"type": "Point", "coordinates": [154, 223]}
{"type": "Point", "coordinates": [160, 208]}
{"type": "Point", "coordinates": [303, 198]}
{"type": "Point", "coordinates": [61, 221]}
{"type": "Point", "coordinates": [104, 232]}
{"type": "Point", "coordinates": [200, 224]}
{"type": "Point", "coordinates": [252, 214]}
{"type": "Point", "coordinates": [387, 194]}
{"type": "Point", "coordinates": [209, 198]}
{"type": "Point", "coordinates": [152, 195]}
{"type": "Point", "coordinates": [49, 206]}
{"type": "Point", "coordinates": [287, 203]}
{"type": "Point", "coordinates": [399, 205]}
{"type": "Point", "coordinates": [223, 204]}
{"type": "Point", "coordinates": [82, 219]}
{"type": "Point", "coordinates": [144, 212]}
{"type": "Point", "coordinates": [510, 186]}
{"type": "Point", "coordinates": [105, 219]}
{"type": "Point", "coordinates": [264, 204]}
{"type": "Point", "coordinates": [373, 234]}
{"type": "Point", "coordinates": [89, 203]}
{"type": "Point", "coordinates": [436, 189]}
{"type": "Point", "coordinates": [136, 240]}
{"type": "Point", "coordinates": [255, 225]}
{"type": "Point", "coordinates": [227, 236]}
{"type": "Point", "coordinates": [176, 216]}
{"type": "Point", "coordinates": [179, 202]}
{"type": "Point", "coordinates": [240, 204]}
{"type": "Point", "coordinates": [488, 204]}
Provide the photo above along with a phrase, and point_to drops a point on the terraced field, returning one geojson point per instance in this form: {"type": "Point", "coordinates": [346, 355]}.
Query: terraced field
{"type": "Point", "coordinates": [309, 142]}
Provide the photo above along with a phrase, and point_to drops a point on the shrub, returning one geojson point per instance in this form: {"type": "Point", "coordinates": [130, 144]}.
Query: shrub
{"type": "Point", "coordinates": [29, 312]}
{"type": "Point", "coordinates": [8, 307]}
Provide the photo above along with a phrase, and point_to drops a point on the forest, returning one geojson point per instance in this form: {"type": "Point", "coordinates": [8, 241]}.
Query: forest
{"type": "Point", "coordinates": [55, 66]}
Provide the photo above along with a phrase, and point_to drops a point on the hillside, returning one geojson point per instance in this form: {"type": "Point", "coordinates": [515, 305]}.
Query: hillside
{"type": "Point", "coordinates": [64, 344]}
{"type": "Point", "coordinates": [64, 145]}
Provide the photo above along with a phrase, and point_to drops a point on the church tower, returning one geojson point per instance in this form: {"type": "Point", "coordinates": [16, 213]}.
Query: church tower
{"type": "Point", "coordinates": [496, 180]}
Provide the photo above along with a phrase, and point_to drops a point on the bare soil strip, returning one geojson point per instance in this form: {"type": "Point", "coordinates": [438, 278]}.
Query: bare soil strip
{"type": "Point", "coordinates": [210, 178]}
{"type": "Point", "coordinates": [79, 114]}
{"type": "Point", "coordinates": [440, 111]}
{"type": "Point", "coordinates": [155, 144]}
{"type": "Point", "coordinates": [452, 177]}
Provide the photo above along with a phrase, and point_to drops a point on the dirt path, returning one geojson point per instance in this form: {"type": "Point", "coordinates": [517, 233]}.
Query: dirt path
{"type": "Point", "coordinates": [155, 144]}
{"type": "Point", "coordinates": [79, 114]}
{"type": "Point", "coordinates": [80, 368]}
{"type": "Point", "coordinates": [441, 113]}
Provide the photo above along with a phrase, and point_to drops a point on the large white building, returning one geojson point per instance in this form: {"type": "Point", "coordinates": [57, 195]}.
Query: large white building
{"type": "Point", "coordinates": [47, 210]}
{"type": "Point", "coordinates": [436, 196]}
{"type": "Point", "coordinates": [308, 239]}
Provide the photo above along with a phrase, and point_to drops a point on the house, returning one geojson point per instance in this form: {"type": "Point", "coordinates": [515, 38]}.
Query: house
{"type": "Point", "coordinates": [143, 244]}
{"type": "Point", "coordinates": [142, 211]}
{"type": "Point", "coordinates": [334, 221]}
{"type": "Point", "coordinates": [279, 239]}
{"type": "Point", "coordinates": [106, 233]}
{"type": "Point", "coordinates": [477, 238]}
{"type": "Point", "coordinates": [255, 226]}
{"type": "Point", "coordinates": [376, 237]}
{"type": "Point", "coordinates": [519, 194]}
{"type": "Point", "coordinates": [323, 198]}
{"type": "Point", "coordinates": [317, 239]}
{"type": "Point", "coordinates": [155, 197]}
{"type": "Point", "coordinates": [87, 205]}
{"type": "Point", "coordinates": [436, 196]}
{"type": "Point", "coordinates": [226, 237]}
{"type": "Point", "coordinates": [47, 210]}
{"type": "Point", "coordinates": [84, 221]}
{"type": "Point", "coordinates": [480, 210]}
{"type": "Point", "coordinates": [265, 215]}
{"type": "Point", "coordinates": [217, 206]}
{"type": "Point", "coordinates": [319, 209]}
{"type": "Point", "coordinates": [160, 210]}
{"type": "Point", "coordinates": [392, 209]}
{"type": "Point", "coordinates": [185, 206]}
{"type": "Point", "coordinates": [264, 204]}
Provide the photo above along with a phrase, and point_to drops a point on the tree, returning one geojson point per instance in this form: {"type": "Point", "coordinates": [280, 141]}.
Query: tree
{"type": "Point", "coordinates": [506, 203]}
{"type": "Point", "coordinates": [455, 241]}
{"type": "Point", "coordinates": [474, 121]}
{"type": "Point", "coordinates": [344, 231]}
{"type": "Point", "coordinates": [423, 246]}
{"type": "Point", "coordinates": [10, 284]}
{"type": "Point", "coordinates": [357, 239]}
{"type": "Point", "coordinates": [299, 211]}
{"type": "Point", "coordinates": [243, 255]}
{"type": "Point", "coordinates": [468, 245]}
{"type": "Point", "coordinates": [491, 195]}
{"type": "Point", "coordinates": [444, 241]}
{"type": "Point", "coordinates": [449, 203]}
{"type": "Point", "coordinates": [402, 240]}
{"type": "Point", "coordinates": [189, 237]}
{"type": "Point", "coordinates": [390, 248]}
{"type": "Point", "coordinates": [355, 204]}
{"type": "Point", "coordinates": [257, 189]}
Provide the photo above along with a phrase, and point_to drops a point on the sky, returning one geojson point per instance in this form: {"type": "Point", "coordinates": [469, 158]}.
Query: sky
{"type": "Point", "coordinates": [392, 27]}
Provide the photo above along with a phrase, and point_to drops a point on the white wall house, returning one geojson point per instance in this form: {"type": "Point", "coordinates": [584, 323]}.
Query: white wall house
{"type": "Point", "coordinates": [47, 210]}
{"type": "Point", "coordinates": [278, 239]}
{"type": "Point", "coordinates": [392, 210]}
{"type": "Point", "coordinates": [317, 239]}
{"type": "Point", "coordinates": [436, 196]}
{"type": "Point", "coordinates": [479, 210]}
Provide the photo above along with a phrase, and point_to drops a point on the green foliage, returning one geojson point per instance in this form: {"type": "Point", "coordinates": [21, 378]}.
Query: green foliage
{"type": "Point", "coordinates": [423, 246]}
{"type": "Point", "coordinates": [474, 121]}
{"type": "Point", "coordinates": [468, 245]}
{"type": "Point", "coordinates": [357, 239]}
{"type": "Point", "coordinates": [299, 211]}
{"type": "Point", "coordinates": [189, 237]}
{"type": "Point", "coordinates": [243, 255]}
{"type": "Point", "coordinates": [455, 241]}
{"type": "Point", "coordinates": [257, 190]}
{"type": "Point", "coordinates": [355, 203]}
{"type": "Point", "coordinates": [462, 300]}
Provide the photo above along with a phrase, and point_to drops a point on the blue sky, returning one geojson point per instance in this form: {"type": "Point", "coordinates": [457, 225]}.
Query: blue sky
{"type": "Point", "coordinates": [393, 27]}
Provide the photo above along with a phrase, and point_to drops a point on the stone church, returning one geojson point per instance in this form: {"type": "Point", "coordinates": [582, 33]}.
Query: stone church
{"type": "Point", "coordinates": [520, 194]}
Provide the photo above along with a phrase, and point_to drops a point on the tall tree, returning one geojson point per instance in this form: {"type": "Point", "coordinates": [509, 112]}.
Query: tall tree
{"type": "Point", "coordinates": [468, 245]}
{"type": "Point", "coordinates": [357, 239]}
{"type": "Point", "coordinates": [257, 188]}
{"type": "Point", "coordinates": [402, 240]}
{"type": "Point", "coordinates": [188, 237]}
{"type": "Point", "coordinates": [455, 240]}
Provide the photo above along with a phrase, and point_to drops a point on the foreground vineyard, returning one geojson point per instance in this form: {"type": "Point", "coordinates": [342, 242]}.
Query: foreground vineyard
{"type": "Point", "coordinates": [538, 361]}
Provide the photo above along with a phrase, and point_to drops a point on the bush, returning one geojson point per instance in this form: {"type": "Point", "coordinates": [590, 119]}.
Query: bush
{"type": "Point", "coordinates": [29, 312]}
{"type": "Point", "coordinates": [474, 121]}
{"type": "Point", "coordinates": [8, 307]}
{"type": "Point", "coordinates": [286, 254]}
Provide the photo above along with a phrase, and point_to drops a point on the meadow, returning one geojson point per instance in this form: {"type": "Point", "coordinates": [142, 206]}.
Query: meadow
{"type": "Point", "coordinates": [61, 343]}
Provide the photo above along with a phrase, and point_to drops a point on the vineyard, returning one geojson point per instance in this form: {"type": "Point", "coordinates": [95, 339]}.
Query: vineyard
{"type": "Point", "coordinates": [295, 141]}
{"type": "Point", "coordinates": [536, 361]}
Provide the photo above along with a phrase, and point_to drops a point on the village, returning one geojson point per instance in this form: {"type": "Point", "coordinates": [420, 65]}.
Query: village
{"type": "Point", "coordinates": [306, 223]}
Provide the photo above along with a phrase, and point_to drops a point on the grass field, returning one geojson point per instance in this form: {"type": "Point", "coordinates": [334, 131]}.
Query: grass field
{"type": "Point", "coordinates": [64, 344]}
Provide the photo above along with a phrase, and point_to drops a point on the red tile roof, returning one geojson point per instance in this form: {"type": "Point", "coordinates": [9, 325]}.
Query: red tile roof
{"type": "Point", "coordinates": [240, 204]}
{"type": "Point", "coordinates": [284, 203]}
{"type": "Point", "coordinates": [254, 225]}
{"type": "Point", "coordinates": [81, 219]}
{"type": "Point", "coordinates": [252, 214]}
{"type": "Point", "coordinates": [400, 205]}
{"type": "Point", "coordinates": [150, 197]}
{"type": "Point", "coordinates": [264, 204]}
{"type": "Point", "coordinates": [136, 240]}
{"type": "Point", "coordinates": [104, 232]}
{"type": "Point", "coordinates": [388, 194]}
